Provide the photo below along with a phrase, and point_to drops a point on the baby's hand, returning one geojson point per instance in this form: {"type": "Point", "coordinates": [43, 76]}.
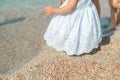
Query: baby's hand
{"type": "Point", "coordinates": [49, 10]}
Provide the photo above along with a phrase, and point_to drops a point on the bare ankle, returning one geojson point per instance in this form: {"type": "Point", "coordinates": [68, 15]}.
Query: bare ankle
{"type": "Point", "coordinates": [113, 25]}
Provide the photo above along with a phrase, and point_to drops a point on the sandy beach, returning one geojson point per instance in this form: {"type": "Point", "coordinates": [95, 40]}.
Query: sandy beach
{"type": "Point", "coordinates": [24, 54]}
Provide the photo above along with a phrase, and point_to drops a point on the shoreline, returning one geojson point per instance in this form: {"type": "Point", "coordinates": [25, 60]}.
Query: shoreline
{"type": "Point", "coordinates": [27, 12]}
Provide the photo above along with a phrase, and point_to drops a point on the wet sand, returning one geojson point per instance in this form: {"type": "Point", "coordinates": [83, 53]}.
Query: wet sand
{"type": "Point", "coordinates": [24, 54]}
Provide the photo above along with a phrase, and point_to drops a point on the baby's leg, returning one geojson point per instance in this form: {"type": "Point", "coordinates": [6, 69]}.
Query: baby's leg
{"type": "Point", "coordinates": [62, 1]}
{"type": "Point", "coordinates": [96, 2]}
{"type": "Point", "coordinates": [113, 15]}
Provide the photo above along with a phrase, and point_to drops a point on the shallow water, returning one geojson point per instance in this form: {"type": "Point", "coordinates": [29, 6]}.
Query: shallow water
{"type": "Point", "coordinates": [14, 9]}
{"type": "Point", "coordinates": [25, 3]}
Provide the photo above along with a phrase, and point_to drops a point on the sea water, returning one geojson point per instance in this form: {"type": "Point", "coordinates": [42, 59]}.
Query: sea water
{"type": "Point", "coordinates": [15, 9]}
{"type": "Point", "coordinates": [26, 3]}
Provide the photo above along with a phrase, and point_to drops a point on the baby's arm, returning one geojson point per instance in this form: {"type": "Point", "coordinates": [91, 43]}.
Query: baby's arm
{"type": "Point", "coordinates": [62, 1]}
{"type": "Point", "coordinates": [64, 10]}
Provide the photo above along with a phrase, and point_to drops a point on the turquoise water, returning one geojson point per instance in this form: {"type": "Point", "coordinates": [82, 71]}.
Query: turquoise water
{"type": "Point", "coordinates": [25, 3]}
{"type": "Point", "coordinates": [13, 10]}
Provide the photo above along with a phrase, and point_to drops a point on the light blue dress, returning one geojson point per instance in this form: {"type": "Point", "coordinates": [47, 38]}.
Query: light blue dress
{"type": "Point", "coordinates": [77, 32]}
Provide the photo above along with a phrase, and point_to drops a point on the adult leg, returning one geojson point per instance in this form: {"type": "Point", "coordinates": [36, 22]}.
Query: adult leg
{"type": "Point", "coordinates": [118, 16]}
{"type": "Point", "coordinates": [113, 15]}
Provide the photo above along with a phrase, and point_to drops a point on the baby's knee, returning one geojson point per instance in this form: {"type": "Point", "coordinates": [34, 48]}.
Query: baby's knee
{"type": "Point", "coordinates": [114, 5]}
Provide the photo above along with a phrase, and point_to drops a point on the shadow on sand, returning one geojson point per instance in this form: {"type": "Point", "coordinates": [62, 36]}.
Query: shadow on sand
{"type": "Point", "coordinates": [11, 21]}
